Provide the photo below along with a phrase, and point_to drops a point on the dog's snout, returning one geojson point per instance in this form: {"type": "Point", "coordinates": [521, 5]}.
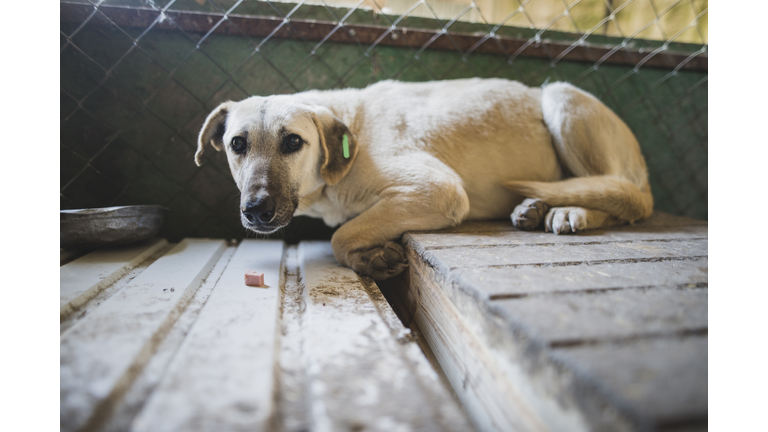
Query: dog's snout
{"type": "Point", "coordinates": [259, 211]}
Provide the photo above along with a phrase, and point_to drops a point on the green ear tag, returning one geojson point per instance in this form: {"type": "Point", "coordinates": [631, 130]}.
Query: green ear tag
{"type": "Point", "coordinates": [345, 146]}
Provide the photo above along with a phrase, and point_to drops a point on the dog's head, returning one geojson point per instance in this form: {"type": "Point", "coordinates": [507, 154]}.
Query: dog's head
{"type": "Point", "coordinates": [278, 150]}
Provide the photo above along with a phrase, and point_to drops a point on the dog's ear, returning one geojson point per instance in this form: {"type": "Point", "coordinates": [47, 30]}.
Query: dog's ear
{"type": "Point", "coordinates": [336, 160]}
{"type": "Point", "coordinates": [212, 131]}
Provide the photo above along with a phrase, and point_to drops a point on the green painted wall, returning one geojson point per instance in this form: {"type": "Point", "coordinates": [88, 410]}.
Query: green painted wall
{"type": "Point", "coordinates": [131, 139]}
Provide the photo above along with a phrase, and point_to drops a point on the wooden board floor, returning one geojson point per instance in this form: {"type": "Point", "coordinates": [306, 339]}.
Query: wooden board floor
{"type": "Point", "coordinates": [167, 337]}
{"type": "Point", "coordinates": [603, 330]}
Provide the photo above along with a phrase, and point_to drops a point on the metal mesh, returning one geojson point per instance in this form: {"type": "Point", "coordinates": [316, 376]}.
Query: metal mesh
{"type": "Point", "coordinates": [138, 79]}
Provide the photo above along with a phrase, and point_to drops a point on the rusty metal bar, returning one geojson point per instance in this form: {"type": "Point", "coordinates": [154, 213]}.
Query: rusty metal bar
{"type": "Point", "coordinates": [261, 26]}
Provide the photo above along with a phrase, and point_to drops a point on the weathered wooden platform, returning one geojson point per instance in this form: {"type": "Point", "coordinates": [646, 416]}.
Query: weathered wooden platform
{"type": "Point", "coordinates": [604, 330]}
{"type": "Point", "coordinates": [166, 337]}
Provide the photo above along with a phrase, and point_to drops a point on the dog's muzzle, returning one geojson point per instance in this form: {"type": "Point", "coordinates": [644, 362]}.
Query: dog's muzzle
{"type": "Point", "coordinates": [259, 215]}
{"type": "Point", "coordinates": [259, 212]}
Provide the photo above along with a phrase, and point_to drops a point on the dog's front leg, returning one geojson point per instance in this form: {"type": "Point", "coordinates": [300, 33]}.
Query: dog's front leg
{"type": "Point", "coordinates": [369, 242]}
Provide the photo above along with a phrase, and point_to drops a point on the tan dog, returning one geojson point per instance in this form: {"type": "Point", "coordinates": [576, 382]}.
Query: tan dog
{"type": "Point", "coordinates": [424, 156]}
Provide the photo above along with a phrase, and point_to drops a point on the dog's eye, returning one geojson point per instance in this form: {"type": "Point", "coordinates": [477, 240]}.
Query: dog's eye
{"type": "Point", "coordinates": [238, 145]}
{"type": "Point", "coordinates": [291, 143]}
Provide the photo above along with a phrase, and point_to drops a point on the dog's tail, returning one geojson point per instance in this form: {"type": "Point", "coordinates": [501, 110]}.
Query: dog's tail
{"type": "Point", "coordinates": [614, 195]}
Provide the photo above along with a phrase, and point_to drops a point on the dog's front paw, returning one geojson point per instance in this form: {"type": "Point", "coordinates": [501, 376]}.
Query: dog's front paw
{"type": "Point", "coordinates": [564, 220]}
{"type": "Point", "coordinates": [382, 262]}
{"type": "Point", "coordinates": [529, 214]}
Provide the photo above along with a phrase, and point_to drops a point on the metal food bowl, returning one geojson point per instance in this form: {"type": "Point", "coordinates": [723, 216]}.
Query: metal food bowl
{"type": "Point", "coordinates": [96, 227]}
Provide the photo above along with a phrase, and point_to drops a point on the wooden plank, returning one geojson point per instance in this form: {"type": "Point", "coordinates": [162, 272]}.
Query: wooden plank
{"type": "Point", "coordinates": [449, 416]}
{"type": "Point", "coordinates": [514, 311]}
{"type": "Point", "coordinates": [587, 317]}
{"type": "Point", "coordinates": [493, 385]}
{"type": "Point", "coordinates": [222, 378]}
{"type": "Point", "coordinates": [125, 411]}
{"type": "Point", "coordinates": [101, 354]}
{"type": "Point", "coordinates": [71, 319]}
{"type": "Point", "coordinates": [570, 254]}
{"type": "Point", "coordinates": [359, 377]}
{"type": "Point", "coordinates": [82, 279]}
{"type": "Point", "coordinates": [518, 237]}
{"type": "Point", "coordinates": [294, 402]}
{"type": "Point", "coordinates": [664, 379]}
{"type": "Point", "coordinates": [499, 283]}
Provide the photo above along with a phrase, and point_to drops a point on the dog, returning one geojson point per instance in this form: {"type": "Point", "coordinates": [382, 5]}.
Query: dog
{"type": "Point", "coordinates": [396, 157]}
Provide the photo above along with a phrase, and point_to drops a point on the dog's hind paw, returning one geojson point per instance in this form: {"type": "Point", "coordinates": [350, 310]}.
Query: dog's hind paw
{"type": "Point", "coordinates": [564, 220]}
{"type": "Point", "coordinates": [382, 262]}
{"type": "Point", "coordinates": [529, 214]}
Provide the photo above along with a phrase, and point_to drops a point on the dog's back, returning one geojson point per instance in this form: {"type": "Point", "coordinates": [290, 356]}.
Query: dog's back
{"type": "Point", "coordinates": [488, 131]}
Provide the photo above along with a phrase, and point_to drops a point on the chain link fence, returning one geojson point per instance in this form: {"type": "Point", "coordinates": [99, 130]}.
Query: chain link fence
{"type": "Point", "coordinates": [139, 77]}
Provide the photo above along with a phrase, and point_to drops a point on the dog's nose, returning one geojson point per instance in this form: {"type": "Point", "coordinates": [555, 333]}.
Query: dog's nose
{"type": "Point", "coordinates": [261, 210]}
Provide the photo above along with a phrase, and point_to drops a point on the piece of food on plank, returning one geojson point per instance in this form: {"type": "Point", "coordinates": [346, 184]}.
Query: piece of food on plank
{"type": "Point", "coordinates": [254, 278]}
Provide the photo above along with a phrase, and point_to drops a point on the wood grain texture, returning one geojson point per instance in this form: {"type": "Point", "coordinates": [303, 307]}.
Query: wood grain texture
{"type": "Point", "coordinates": [664, 379]}
{"type": "Point", "coordinates": [500, 283]}
{"type": "Point", "coordinates": [182, 344]}
{"type": "Point", "coordinates": [101, 354]}
{"type": "Point", "coordinates": [222, 378]}
{"type": "Point", "coordinates": [448, 414]}
{"type": "Point", "coordinates": [494, 386]}
{"type": "Point", "coordinates": [359, 376]}
{"type": "Point", "coordinates": [83, 278]}
{"type": "Point", "coordinates": [587, 321]}
{"type": "Point", "coordinates": [571, 254]}
{"type": "Point", "coordinates": [583, 317]}
{"type": "Point", "coordinates": [135, 398]}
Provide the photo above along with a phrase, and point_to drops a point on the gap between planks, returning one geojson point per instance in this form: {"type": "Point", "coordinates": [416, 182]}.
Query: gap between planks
{"type": "Point", "coordinates": [364, 370]}
{"type": "Point", "coordinates": [102, 355]}
{"type": "Point", "coordinates": [82, 311]}
{"type": "Point", "coordinates": [591, 262]}
{"type": "Point", "coordinates": [513, 296]}
{"type": "Point", "coordinates": [496, 393]}
{"type": "Point", "coordinates": [228, 355]}
{"type": "Point", "coordinates": [570, 343]}
{"type": "Point", "coordinates": [429, 264]}
{"type": "Point", "coordinates": [84, 278]}
{"type": "Point", "coordinates": [133, 401]}
{"type": "Point", "coordinates": [125, 404]}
